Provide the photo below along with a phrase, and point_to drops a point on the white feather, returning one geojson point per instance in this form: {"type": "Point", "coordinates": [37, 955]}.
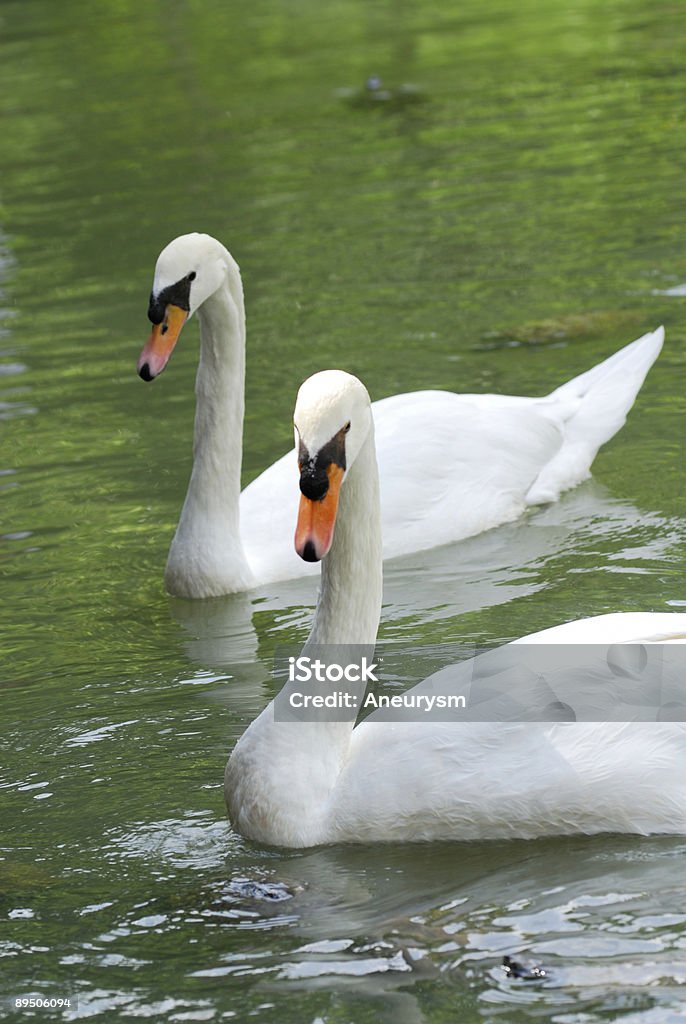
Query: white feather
{"type": "Point", "coordinates": [451, 465]}
{"type": "Point", "coordinates": [308, 783]}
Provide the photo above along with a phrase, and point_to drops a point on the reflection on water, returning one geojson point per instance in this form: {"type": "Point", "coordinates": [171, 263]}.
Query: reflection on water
{"type": "Point", "coordinates": [586, 529]}
{"type": "Point", "coordinates": [318, 920]}
{"type": "Point", "coordinates": [496, 212]}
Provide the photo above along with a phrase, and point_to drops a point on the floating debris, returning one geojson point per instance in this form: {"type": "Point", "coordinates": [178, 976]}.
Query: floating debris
{"type": "Point", "coordinates": [375, 94]}
{"type": "Point", "coordinates": [513, 969]}
{"type": "Point", "coordinates": [562, 329]}
{"type": "Point", "coordinates": [245, 888]}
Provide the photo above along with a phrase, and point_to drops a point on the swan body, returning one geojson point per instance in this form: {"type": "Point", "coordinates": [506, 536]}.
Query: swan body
{"type": "Point", "coordinates": [304, 783]}
{"type": "Point", "coordinates": [451, 465]}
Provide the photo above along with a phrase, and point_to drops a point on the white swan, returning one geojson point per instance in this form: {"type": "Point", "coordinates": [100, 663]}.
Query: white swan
{"type": "Point", "coordinates": [306, 783]}
{"type": "Point", "coordinates": [451, 465]}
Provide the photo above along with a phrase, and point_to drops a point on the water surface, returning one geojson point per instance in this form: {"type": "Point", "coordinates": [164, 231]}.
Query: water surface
{"type": "Point", "coordinates": [501, 213]}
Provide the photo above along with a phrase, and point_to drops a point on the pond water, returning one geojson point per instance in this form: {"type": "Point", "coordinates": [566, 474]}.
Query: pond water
{"type": "Point", "coordinates": [503, 211]}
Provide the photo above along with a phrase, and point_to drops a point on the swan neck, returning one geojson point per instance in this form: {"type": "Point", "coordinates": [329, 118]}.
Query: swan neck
{"type": "Point", "coordinates": [207, 557]}
{"type": "Point", "coordinates": [220, 402]}
{"type": "Point", "coordinates": [281, 777]}
{"type": "Point", "coordinates": [349, 602]}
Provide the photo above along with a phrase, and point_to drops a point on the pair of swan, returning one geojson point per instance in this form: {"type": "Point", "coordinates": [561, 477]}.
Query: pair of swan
{"type": "Point", "coordinates": [450, 465]}
{"type": "Point", "coordinates": [304, 783]}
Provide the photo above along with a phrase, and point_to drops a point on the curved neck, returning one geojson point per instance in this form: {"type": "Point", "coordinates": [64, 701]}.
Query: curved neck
{"type": "Point", "coordinates": [220, 401]}
{"type": "Point", "coordinates": [349, 603]}
{"type": "Point", "coordinates": [206, 556]}
{"type": "Point", "coordinates": [281, 774]}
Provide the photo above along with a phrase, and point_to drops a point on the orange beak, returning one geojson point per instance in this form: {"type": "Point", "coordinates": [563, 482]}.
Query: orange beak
{"type": "Point", "coordinates": [160, 344]}
{"type": "Point", "coordinates": [317, 519]}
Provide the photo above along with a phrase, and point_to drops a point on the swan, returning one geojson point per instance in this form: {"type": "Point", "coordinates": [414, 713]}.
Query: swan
{"type": "Point", "coordinates": [305, 783]}
{"type": "Point", "coordinates": [451, 465]}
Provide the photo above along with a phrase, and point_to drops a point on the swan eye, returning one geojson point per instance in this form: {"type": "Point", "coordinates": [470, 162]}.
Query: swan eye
{"type": "Point", "coordinates": [346, 428]}
{"type": "Point", "coordinates": [192, 276]}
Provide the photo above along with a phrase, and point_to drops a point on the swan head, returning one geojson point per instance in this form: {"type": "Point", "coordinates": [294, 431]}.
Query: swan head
{"type": "Point", "coordinates": [188, 271]}
{"type": "Point", "coordinates": [332, 419]}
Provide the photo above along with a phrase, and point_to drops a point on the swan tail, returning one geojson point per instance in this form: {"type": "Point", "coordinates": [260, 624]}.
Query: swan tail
{"type": "Point", "coordinates": [593, 407]}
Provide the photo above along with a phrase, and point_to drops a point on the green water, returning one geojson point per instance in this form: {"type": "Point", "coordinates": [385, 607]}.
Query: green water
{"type": "Point", "coordinates": [510, 213]}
